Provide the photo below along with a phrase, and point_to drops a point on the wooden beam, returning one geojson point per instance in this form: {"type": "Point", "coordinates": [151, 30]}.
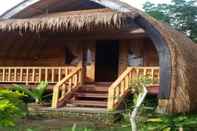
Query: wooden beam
{"type": "Point", "coordinates": [95, 36]}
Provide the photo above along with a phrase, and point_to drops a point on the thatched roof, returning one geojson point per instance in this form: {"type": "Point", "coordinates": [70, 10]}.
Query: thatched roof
{"type": "Point", "coordinates": [68, 21]}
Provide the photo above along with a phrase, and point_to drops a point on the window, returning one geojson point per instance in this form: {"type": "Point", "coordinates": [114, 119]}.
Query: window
{"type": "Point", "coordinates": [133, 59]}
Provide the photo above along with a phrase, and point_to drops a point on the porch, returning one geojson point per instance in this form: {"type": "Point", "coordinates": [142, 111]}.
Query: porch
{"type": "Point", "coordinates": [70, 88]}
{"type": "Point", "coordinates": [33, 74]}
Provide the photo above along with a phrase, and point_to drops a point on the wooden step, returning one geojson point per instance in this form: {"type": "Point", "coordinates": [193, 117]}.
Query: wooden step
{"type": "Point", "coordinates": [154, 90]}
{"type": "Point", "coordinates": [99, 83]}
{"type": "Point", "coordinates": [89, 88]}
{"type": "Point", "coordinates": [91, 95]}
{"type": "Point", "coordinates": [86, 103]}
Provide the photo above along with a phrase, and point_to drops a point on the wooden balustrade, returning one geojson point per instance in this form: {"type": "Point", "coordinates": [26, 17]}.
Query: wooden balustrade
{"type": "Point", "coordinates": [33, 75]}
{"type": "Point", "coordinates": [120, 87]}
{"type": "Point", "coordinates": [153, 73]}
{"type": "Point", "coordinates": [64, 88]}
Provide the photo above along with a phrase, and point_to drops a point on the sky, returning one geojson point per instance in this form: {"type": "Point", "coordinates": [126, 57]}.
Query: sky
{"type": "Point", "coordinates": [7, 4]}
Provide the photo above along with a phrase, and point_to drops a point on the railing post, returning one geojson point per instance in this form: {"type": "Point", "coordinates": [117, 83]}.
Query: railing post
{"type": "Point", "coordinates": [110, 102]}
{"type": "Point", "coordinates": [3, 75]}
{"type": "Point", "coordinates": [52, 75]}
{"type": "Point", "coordinates": [122, 87]}
{"type": "Point", "coordinates": [27, 76]}
{"type": "Point", "coordinates": [9, 74]}
{"type": "Point", "coordinates": [46, 74]}
{"type": "Point", "coordinates": [55, 97]}
{"type": "Point", "coordinates": [127, 82]}
{"type": "Point", "coordinates": [40, 75]}
{"type": "Point", "coordinates": [33, 75]}
{"type": "Point", "coordinates": [15, 75]}
{"type": "Point", "coordinates": [21, 74]}
{"type": "Point", "coordinates": [59, 74]}
{"type": "Point", "coordinates": [81, 73]}
{"type": "Point", "coordinates": [63, 91]}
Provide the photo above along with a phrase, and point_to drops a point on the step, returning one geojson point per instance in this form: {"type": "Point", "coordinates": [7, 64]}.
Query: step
{"type": "Point", "coordinates": [99, 83]}
{"type": "Point", "coordinates": [154, 90]}
{"type": "Point", "coordinates": [91, 95]}
{"type": "Point", "coordinates": [86, 103]}
{"type": "Point", "coordinates": [93, 88]}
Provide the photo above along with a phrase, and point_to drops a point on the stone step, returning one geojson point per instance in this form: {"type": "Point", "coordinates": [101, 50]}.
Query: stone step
{"type": "Point", "coordinates": [89, 103]}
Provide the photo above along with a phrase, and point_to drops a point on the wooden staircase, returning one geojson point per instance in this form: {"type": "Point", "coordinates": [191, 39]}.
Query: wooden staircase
{"type": "Point", "coordinates": [72, 91]}
{"type": "Point", "coordinates": [91, 95]}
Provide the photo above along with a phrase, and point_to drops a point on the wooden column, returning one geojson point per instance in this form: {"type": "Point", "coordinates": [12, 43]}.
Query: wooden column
{"type": "Point", "coordinates": [90, 68]}
{"type": "Point", "coordinates": [123, 56]}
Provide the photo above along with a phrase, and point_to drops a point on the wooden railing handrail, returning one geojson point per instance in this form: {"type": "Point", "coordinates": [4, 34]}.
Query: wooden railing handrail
{"type": "Point", "coordinates": [69, 84]}
{"type": "Point", "coordinates": [121, 86]}
{"type": "Point", "coordinates": [120, 78]}
{"type": "Point", "coordinates": [34, 74]}
{"type": "Point", "coordinates": [1, 67]}
{"type": "Point", "coordinates": [67, 77]}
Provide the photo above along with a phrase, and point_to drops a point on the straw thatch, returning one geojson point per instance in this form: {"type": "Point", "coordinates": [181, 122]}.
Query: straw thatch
{"type": "Point", "coordinates": [183, 57]}
{"type": "Point", "coordinates": [68, 21]}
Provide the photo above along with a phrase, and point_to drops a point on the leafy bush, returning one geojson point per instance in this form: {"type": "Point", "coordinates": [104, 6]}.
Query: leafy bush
{"type": "Point", "coordinates": [36, 94]}
{"type": "Point", "coordinates": [169, 122]}
{"type": "Point", "coordinates": [11, 107]}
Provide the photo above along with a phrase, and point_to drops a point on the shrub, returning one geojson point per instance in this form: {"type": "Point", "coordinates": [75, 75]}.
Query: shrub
{"type": "Point", "coordinates": [36, 94]}
{"type": "Point", "coordinates": [11, 107]}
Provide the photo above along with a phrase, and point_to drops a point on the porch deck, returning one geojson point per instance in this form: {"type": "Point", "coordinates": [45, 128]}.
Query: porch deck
{"type": "Point", "coordinates": [70, 89]}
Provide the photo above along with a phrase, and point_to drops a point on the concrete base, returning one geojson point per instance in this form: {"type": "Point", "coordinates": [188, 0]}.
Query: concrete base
{"type": "Point", "coordinates": [82, 113]}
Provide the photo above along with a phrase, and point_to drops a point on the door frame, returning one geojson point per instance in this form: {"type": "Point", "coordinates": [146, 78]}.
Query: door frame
{"type": "Point", "coordinates": [117, 53]}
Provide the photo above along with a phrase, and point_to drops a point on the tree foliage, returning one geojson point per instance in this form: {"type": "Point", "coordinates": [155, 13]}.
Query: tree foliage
{"type": "Point", "coordinates": [181, 14]}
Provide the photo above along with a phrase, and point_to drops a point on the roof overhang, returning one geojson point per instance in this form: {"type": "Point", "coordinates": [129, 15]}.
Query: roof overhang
{"type": "Point", "coordinates": [74, 21]}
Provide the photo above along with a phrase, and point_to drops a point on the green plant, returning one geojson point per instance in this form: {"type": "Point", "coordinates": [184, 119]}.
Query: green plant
{"type": "Point", "coordinates": [36, 94]}
{"type": "Point", "coordinates": [138, 87]}
{"type": "Point", "coordinates": [170, 122]}
{"type": "Point", "coordinates": [137, 83]}
{"type": "Point", "coordinates": [11, 107]}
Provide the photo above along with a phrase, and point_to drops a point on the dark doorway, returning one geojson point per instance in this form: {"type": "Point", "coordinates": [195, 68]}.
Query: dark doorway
{"type": "Point", "coordinates": [107, 53]}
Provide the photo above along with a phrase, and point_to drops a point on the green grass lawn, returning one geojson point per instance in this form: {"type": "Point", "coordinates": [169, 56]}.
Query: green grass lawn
{"type": "Point", "coordinates": [63, 125]}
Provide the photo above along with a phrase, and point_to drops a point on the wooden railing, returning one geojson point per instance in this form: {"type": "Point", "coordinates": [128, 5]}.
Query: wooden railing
{"type": "Point", "coordinates": [121, 86]}
{"type": "Point", "coordinates": [33, 75]}
{"type": "Point", "coordinates": [64, 88]}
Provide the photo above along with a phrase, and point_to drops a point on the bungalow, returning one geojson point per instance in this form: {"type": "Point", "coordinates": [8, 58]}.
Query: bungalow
{"type": "Point", "coordinates": [89, 50]}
